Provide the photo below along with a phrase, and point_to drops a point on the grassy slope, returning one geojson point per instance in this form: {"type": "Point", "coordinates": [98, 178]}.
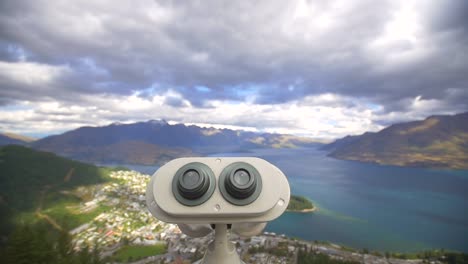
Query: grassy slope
{"type": "Point", "coordinates": [134, 252]}
{"type": "Point", "coordinates": [30, 178]}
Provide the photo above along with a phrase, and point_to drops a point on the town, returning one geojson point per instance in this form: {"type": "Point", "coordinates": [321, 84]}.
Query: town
{"type": "Point", "coordinates": [128, 222]}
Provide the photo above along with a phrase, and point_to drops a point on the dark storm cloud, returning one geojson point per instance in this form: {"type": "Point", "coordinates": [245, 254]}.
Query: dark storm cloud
{"type": "Point", "coordinates": [447, 15]}
{"type": "Point", "coordinates": [174, 101]}
{"type": "Point", "coordinates": [272, 51]}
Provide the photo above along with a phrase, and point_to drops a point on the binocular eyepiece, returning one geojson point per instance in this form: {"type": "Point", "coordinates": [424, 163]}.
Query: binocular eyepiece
{"type": "Point", "coordinates": [239, 183]}
{"type": "Point", "coordinates": [193, 184]}
{"type": "Point", "coordinates": [217, 190]}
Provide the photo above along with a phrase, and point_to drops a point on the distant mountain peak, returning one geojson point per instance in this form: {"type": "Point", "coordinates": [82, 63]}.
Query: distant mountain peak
{"type": "Point", "coordinates": [116, 123]}
{"type": "Point", "coordinates": [159, 122]}
{"type": "Point", "coordinates": [162, 122]}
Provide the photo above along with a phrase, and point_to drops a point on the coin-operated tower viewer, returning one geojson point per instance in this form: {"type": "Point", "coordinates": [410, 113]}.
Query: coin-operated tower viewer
{"type": "Point", "coordinates": [230, 194]}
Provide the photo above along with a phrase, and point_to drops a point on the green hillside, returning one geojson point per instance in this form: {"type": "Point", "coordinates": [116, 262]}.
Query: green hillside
{"type": "Point", "coordinates": [31, 181]}
{"type": "Point", "coordinates": [300, 204]}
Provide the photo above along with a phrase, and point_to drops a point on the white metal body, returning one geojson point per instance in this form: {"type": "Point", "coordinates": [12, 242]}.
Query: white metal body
{"type": "Point", "coordinates": [246, 220]}
{"type": "Point", "coordinates": [270, 204]}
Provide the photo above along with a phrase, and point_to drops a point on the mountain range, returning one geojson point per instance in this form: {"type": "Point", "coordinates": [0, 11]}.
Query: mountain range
{"type": "Point", "coordinates": [156, 141]}
{"type": "Point", "coordinates": [437, 141]}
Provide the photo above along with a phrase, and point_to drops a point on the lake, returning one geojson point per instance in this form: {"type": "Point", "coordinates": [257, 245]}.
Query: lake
{"type": "Point", "coordinates": [363, 205]}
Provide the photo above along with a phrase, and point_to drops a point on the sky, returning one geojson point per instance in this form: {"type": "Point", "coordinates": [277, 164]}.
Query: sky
{"type": "Point", "coordinates": [322, 69]}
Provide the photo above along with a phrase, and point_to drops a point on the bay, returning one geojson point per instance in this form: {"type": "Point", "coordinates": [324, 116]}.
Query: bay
{"type": "Point", "coordinates": [362, 205]}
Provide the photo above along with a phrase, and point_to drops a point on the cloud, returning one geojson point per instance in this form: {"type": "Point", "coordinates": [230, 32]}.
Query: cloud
{"type": "Point", "coordinates": [386, 61]}
{"type": "Point", "coordinates": [315, 116]}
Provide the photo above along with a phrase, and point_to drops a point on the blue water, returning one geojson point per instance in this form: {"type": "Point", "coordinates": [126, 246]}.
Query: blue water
{"type": "Point", "coordinates": [363, 205]}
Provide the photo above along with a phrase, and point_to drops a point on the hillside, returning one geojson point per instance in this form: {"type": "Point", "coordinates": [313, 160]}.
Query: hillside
{"type": "Point", "coordinates": [29, 177]}
{"type": "Point", "coordinates": [437, 141]}
{"type": "Point", "coordinates": [155, 142]}
{"type": "Point", "coordinates": [19, 137]}
{"type": "Point", "coordinates": [10, 138]}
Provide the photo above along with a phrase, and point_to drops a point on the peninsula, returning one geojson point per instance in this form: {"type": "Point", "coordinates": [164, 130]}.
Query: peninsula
{"type": "Point", "coordinates": [300, 204]}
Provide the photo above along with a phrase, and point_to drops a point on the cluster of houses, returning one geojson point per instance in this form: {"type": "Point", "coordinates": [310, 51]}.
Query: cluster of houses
{"type": "Point", "coordinates": [128, 221]}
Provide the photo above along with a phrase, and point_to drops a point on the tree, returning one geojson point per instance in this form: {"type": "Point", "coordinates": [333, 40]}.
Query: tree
{"type": "Point", "coordinates": [19, 247]}
{"type": "Point", "coordinates": [39, 244]}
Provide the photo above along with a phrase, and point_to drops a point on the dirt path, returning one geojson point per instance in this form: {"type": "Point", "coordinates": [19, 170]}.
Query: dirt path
{"type": "Point", "coordinates": [69, 175]}
{"type": "Point", "coordinates": [40, 215]}
{"type": "Point", "coordinates": [49, 220]}
{"type": "Point", "coordinates": [38, 212]}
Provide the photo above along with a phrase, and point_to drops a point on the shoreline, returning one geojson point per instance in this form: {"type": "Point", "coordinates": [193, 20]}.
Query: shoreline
{"type": "Point", "coordinates": [303, 211]}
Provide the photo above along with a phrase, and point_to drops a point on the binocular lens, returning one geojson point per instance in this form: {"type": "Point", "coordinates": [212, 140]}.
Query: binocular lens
{"type": "Point", "coordinates": [240, 183]}
{"type": "Point", "coordinates": [190, 178]}
{"type": "Point", "coordinates": [193, 184]}
{"type": "Point", "coordinates": [241, 177]}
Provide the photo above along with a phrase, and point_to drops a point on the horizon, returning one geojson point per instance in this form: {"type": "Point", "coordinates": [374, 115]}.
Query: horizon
{"type": "Point", "coordinates": [36, 136]}
{"type": "Point", "coordinates": [318, 70]}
